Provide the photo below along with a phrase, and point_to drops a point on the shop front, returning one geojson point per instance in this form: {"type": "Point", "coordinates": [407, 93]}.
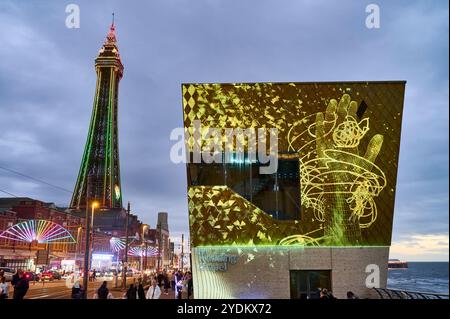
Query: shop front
{"type": "Point", "coordinates": [18, 259]}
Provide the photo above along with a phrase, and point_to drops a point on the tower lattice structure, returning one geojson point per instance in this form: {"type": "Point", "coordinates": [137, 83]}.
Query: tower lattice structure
{"type": "Point", "coordinates": [99, 175]}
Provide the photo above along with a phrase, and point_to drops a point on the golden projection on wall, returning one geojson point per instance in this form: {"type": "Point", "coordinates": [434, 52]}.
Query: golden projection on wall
{"type": "Point", "coordinates": [337, 148]}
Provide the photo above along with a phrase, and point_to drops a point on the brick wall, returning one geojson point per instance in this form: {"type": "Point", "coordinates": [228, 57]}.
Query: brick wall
{"type": "Point", "coordinates": [264, 272]}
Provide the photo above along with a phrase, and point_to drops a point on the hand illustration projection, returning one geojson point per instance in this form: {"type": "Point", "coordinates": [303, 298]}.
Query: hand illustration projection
{"type": "Point", "coordinates": [336, 181]}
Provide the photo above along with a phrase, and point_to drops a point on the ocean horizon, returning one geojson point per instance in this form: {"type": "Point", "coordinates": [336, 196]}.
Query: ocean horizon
{"type": "Point", "coordinates": [422, 276]}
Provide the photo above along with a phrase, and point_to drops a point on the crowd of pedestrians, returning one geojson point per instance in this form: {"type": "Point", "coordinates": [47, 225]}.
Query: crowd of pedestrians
{"type": "Point", "coordinates": [146, 287]}
{"type": "Point", "coordinates": [161, 283]}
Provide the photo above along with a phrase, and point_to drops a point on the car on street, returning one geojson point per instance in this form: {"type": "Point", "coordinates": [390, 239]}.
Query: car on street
{"type": "Point", "coordinates": [56, 275]}
{"type": "Point", "coordinates": [50, 275]}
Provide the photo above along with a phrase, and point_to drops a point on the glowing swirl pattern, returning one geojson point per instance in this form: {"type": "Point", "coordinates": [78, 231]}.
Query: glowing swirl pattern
{"type": "Point", "coordinates": [299, 240]}
{"type": "Point", "coordinates": [360, 189]}
{"type": "Point", "coordinates": [350, 132]}
{"type": "Point", "coordinates": [42, 231]}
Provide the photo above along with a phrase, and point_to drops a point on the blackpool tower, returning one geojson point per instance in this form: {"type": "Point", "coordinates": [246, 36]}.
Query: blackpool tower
{"type": "Point", "coordinates": [99, 175]}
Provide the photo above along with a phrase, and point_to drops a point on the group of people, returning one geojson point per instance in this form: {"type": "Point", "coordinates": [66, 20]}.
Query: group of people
{"type": "Point", "coordinates": [183, 282]}
{"type": "Point", "coordinates": [93, 275]}
{"type": "Point", "coordinates": [328, 295]}
{"type": "Point", "coordinates": [137, 290]}
{"type": "Point", "coordinates": [160, 284]}
{"type": "Point", "coordinates": [19, 282]}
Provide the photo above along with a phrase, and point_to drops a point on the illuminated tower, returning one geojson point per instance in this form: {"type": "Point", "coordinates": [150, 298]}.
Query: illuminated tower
{"type": "Point", "coordinates": [100, 172]}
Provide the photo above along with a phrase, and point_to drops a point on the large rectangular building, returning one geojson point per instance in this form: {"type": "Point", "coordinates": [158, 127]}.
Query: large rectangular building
{"type": "Point", "coordinates": [291, 186]}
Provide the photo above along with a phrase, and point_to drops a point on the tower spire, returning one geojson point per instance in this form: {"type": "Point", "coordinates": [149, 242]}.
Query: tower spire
{"type": "Point", "coordinates": [111, 37]}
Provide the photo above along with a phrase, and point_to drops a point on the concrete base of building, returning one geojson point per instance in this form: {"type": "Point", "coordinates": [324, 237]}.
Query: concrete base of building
{"type": "Point", "coordinates": [268, 272]}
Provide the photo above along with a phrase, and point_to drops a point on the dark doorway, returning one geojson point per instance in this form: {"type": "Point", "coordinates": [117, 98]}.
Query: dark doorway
{"type": "Point", "coordinates": [306, 284]}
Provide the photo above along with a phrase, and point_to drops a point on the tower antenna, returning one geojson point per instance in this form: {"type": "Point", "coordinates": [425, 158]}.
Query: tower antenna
{"type": "Point", "coordinates": [112, 19]}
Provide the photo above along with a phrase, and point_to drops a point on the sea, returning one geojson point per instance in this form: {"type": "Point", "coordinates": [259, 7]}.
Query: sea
{"type": "Point", "coordinates": [420, 276]}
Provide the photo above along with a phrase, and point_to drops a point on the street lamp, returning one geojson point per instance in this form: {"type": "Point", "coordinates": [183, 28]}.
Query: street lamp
{"type": "Point", "coordinates": [125, 263]}
{"type": "Point", "coordinates": [144, 246]}
{"type": "Point", "coordinates": [94, 205]}
{"type": "Point", "coordinates": [77, 248]}
{"type": "Point", "coordinates": [87, 252]}
{"type": "Point", "coordinates": [182, 252]}
{"type": "Point", "coordinates": [159, 246]}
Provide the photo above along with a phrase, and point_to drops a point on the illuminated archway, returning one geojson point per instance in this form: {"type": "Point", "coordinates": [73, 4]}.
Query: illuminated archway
{"type": "Point", "coordinates": [118, 243]}
{"type": "Point", "coordinates": [42, 231]}
{"type": "Point", "coordinates": [140, 251]}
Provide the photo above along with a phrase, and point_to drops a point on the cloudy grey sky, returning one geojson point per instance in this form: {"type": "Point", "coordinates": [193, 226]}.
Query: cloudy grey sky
{"type": "Point", "coordinates": [47, 82]}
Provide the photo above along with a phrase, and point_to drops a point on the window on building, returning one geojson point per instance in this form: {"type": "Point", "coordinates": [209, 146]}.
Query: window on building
{"type": "Point", "coordinates": [277, 194]}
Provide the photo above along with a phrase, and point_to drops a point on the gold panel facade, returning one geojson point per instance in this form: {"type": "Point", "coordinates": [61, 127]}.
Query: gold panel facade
{"type": "Point", "coordinates": [337, 145]}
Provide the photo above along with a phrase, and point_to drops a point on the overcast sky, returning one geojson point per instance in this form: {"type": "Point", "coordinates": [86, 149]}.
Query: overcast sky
{"type": "Point", "coordinates": [47, 83]}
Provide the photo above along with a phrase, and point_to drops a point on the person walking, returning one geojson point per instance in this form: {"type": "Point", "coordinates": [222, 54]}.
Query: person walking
{"type": "Point", "coordinates": [103, 291]}
{"type": "Point", "coordinates": [166, 284]}
{"type": "Point", "coordinates": [4, 288]}
{"type": "Point", "coordinates": [190, 287]}
{"type": "Point", "coordinates": [131, 292]}
{"type": "Point", "coordinates": [140, 291]}
{"type": "Point", "coordinates": [172, 280]}
{"type": "Point", "coordinates": [154, 292]}
{"type": "Point", "coordinates": [77, 291]}
{"type": "Point", "coordinates": [21, 287]}
{"type": "Point", "coordinates": [160, 279]}
{"type": "Point", "coordinates": [178, 284]}
{"type": "Point", "coordinates": [14, 281]}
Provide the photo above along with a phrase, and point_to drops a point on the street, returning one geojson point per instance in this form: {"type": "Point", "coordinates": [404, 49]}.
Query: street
{"type": "Point", "coordinates": [60, 289]}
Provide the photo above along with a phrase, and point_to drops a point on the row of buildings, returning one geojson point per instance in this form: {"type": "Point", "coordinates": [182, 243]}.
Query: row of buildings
{"type": "Point", "coordinates": [68, 254]}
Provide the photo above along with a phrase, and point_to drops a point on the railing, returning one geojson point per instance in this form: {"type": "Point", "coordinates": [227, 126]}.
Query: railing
{"type": "Point", "coordinates": [385, 293]}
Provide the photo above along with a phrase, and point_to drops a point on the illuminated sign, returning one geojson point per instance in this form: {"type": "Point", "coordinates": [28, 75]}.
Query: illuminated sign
{"type": "Point", "coordinates": [216, 262]}
{"type": "Point", "coordinates": [67, 262]}
{"type": "Point", "coordinates": [102, 256]}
